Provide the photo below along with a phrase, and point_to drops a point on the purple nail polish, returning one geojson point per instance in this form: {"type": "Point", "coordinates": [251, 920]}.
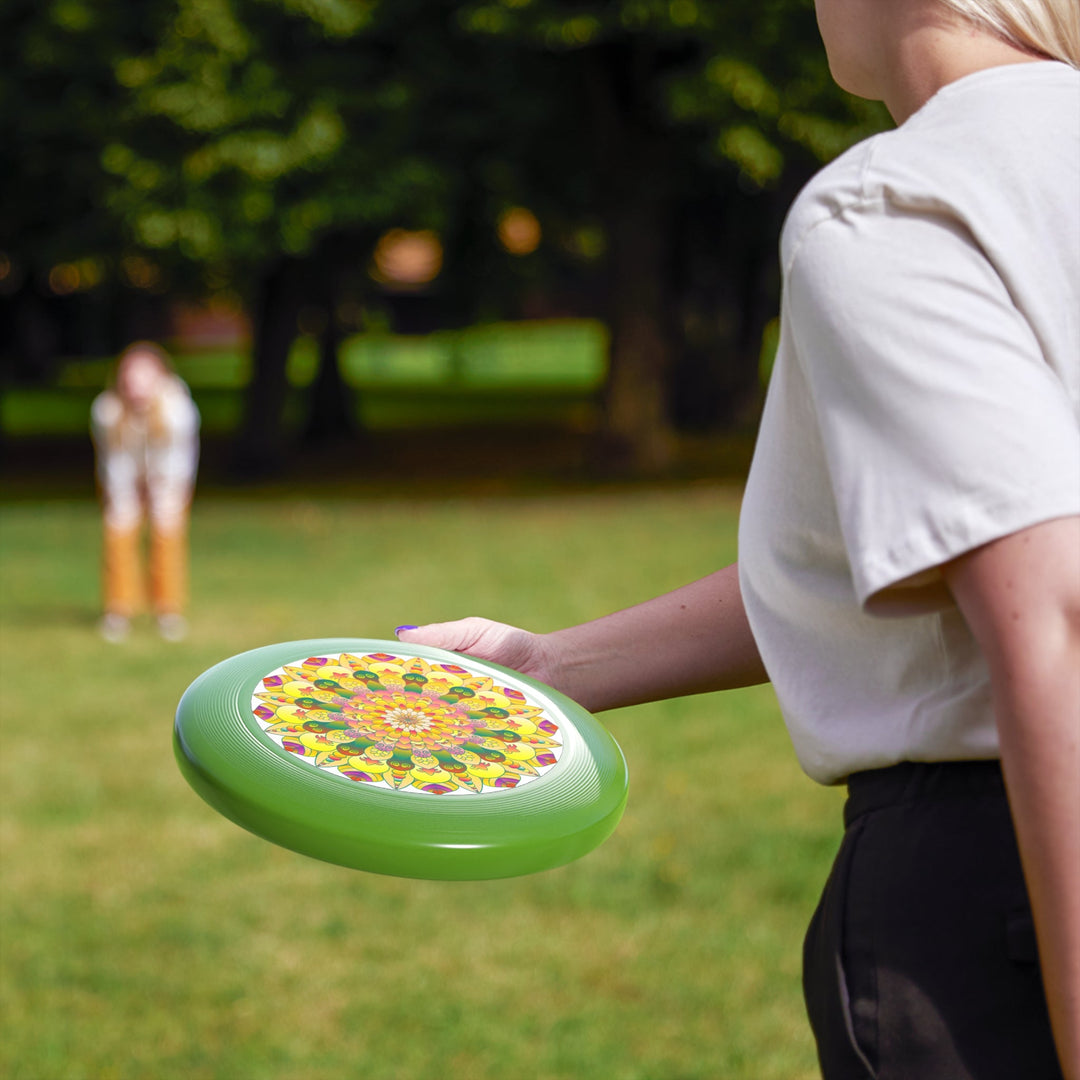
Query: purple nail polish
{"type": "Point", "coordinates": [398, 629]}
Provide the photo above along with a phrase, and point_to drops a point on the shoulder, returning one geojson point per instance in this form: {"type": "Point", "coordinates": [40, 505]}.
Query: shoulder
{"type": "Point", "coordinates": [176, 403]}
{"type": "Point", "coordinates": [174, 417]}
{"type": "Point", "coordinates": [986, 153]}
{"type": "Point", "coordinates": [106, 410]}
{"type": "Point", "coordinates": [832, 192]}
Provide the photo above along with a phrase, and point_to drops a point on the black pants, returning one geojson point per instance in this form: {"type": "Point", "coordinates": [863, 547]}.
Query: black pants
{"type": "Point", "coordinates": [920, 961]}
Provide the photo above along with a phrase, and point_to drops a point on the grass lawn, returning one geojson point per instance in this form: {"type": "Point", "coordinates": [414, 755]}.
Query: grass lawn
{"type": "Point", "coordinates": [144, 936]}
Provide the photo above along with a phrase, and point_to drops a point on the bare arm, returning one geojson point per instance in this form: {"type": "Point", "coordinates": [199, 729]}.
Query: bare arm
{"type": "Point", "coordinates": [689, 641]}
{"type": "Point", "coordinates": [1021, 598]}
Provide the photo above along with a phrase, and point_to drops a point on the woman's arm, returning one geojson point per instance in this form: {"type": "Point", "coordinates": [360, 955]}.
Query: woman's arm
{"type": "Point", "coordinates": [689, 641]}
{"type": "Point", "coordinates": [1021, 598]}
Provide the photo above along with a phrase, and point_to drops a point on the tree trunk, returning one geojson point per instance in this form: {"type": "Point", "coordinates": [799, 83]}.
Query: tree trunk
{"type": "Point", "coordinates": [261, 447]}
{"type": "Point", "coordinates": [35, 337]}
{"type": "Point", "coordinates": [637, 426]}
{"type": "Point", "coordinates": [635, 191]}
{"type": "Point", "coordinates": [331, 416]}
{"type": "Point", "coordinates": [726, 286]}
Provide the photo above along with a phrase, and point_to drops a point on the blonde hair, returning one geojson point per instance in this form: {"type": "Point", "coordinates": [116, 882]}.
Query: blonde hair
{"type": "Point", "coordinates": [1048, 27]}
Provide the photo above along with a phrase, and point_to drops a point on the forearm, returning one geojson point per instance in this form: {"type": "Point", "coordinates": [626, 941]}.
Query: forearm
{"type": "Point", "coordinates": [690, 641]}
{"type": "Point", "coordinates": [1039, 727]}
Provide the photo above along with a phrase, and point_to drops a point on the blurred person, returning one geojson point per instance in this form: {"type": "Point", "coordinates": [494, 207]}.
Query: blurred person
{"type": "Point", "coordinates": [146, 437]}
{"type": "Point", "coordinates": [909, 568]}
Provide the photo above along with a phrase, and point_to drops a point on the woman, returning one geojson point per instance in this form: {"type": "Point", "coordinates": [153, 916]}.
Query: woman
{"type": "Point", "coordinates": [909, 574]}
{"type": "Point", "coordinates": [145, 430]}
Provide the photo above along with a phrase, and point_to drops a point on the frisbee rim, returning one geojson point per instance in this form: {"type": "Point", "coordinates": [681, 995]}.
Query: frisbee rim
{"type": "Point", "coordinates": [251, 779]}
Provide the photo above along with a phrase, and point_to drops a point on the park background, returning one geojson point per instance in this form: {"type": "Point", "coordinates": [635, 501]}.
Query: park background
{"type": "Point", "coordinates": [478, 301]}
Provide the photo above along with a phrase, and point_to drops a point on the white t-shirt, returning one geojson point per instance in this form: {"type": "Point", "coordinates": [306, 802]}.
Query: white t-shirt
{"type": "Point", "coordinates": [925, 400]}
{"type": "Point", "coordinates": [143, 462]}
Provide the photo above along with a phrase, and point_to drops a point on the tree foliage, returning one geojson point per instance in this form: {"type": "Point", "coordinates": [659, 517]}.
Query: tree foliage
{"type": "Point", "coordinates": [263, 145]}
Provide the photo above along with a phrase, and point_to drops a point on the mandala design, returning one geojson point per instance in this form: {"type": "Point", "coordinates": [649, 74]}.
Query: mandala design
{"type": "Point", "coordinates": [403, 722]}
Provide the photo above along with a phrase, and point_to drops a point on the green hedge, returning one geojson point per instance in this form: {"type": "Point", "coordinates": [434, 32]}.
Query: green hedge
{"type": "Point", "coordinates": [504, 372]}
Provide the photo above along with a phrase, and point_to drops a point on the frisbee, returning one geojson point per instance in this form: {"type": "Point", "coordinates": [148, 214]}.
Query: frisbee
{"type": "Point", "coordinates": [400, 759]}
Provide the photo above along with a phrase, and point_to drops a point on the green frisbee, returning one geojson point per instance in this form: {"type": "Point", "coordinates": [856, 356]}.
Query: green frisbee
{"type": "Point", "coordinates": [400, 759]}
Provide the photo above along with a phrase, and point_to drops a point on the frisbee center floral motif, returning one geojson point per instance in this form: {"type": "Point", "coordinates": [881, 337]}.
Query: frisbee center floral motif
{"type": "Point", "coordinates": [404, 722]}
{"type": "Point", "coordinates": [408, 719]}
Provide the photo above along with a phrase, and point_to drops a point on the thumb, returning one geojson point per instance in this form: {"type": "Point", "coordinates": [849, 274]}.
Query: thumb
{"type": "Point", "coordinates": [509, 646]}
{"type": "Point", "coordinates": [454, 636]}
{"type": "Point", "coordinates": [482, 638]}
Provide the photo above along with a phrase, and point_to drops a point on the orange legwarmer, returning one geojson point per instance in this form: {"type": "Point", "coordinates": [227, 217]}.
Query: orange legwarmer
{"type": "Point", "coordinates": [123, 582]}
{"type": "Point", "coordinates": [121, 571]}
{"type": "Point", "coordinates": [169, 569]}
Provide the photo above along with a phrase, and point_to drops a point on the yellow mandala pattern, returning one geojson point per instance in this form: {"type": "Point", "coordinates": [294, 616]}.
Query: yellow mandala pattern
{"type": "Point", "coordinates": [406, 723]}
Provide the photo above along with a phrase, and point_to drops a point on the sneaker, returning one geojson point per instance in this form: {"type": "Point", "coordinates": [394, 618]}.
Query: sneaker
{"type": "Point", "coordinates": [172, 626]}
{"type": "Point", "coordinates": [114, 628]}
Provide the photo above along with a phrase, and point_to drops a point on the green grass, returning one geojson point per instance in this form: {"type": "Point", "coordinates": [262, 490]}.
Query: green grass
{"type": "Point", "coordinates": [144, 936]}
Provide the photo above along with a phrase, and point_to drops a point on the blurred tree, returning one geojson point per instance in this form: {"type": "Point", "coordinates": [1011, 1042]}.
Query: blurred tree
{"type": "Point", "coordinates": [297, 132]}
{"type": "Point", "coordinates": [59, 106]}
{"type": "Point", "coordinates": [261, 147]}
{"type": "Point", "coordinates": [285, 130]}
{"type": "Point", "coordinates": [692, 124]}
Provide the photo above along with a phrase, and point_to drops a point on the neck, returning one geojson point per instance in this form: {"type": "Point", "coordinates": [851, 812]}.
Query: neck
{"type": "Point", "coordinates": [933, 50]}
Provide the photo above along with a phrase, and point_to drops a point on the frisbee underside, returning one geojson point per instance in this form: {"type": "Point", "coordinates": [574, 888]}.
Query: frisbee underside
{"type": "Point", "coordinates": [400, 759]}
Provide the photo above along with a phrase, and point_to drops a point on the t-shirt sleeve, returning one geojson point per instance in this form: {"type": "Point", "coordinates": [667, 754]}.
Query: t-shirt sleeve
{"type": "Point", "coordinates": [943, 424]}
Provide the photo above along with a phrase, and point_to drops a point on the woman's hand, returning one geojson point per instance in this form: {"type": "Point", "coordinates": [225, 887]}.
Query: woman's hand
{"type": "Point", "coordinates": [502, 644]}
